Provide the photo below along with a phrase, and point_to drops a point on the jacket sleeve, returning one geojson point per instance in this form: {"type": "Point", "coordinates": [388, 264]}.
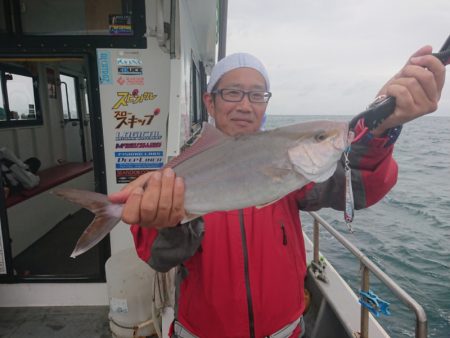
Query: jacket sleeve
{"type": "Point", "coordinates": [166, 248]}
{"type": "Point", "coordinates": [373, 169]}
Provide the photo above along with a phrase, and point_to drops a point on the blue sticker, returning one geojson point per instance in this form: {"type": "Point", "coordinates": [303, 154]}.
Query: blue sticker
{"type": "Point", "coordinates": [104, 67]}
{"type": "Point", "coordinates": [139, 165]}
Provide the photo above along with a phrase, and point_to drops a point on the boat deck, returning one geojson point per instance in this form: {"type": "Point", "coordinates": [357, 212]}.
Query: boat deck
{"type": "Point", "coordinates": [55, 322]}
{"type": "Point", "coordinates": [334, 312]}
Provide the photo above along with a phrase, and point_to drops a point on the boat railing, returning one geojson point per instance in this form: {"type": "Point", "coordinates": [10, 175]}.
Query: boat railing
{"type": "Point", "coordinates": [368, 266]}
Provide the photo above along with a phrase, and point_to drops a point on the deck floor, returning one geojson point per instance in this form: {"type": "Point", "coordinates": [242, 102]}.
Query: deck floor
{"type": "Point", "coordinates": [50, 255]}
{"type": "Point", "coordinates": [55, 322]}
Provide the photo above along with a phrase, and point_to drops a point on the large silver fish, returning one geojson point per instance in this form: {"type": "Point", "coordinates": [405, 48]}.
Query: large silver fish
{"type": "Point", "coordinates": [227, 173]}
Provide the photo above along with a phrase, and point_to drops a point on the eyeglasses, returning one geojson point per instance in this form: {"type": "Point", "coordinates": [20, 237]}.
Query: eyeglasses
{"type": "Point", "coordinates": [236, 95]}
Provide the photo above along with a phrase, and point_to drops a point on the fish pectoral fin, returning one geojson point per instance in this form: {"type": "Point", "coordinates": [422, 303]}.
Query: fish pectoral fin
{"type": "Point", "coordinates": [276, 173]}
{"type": "Point", "coordinates": [189, 217]}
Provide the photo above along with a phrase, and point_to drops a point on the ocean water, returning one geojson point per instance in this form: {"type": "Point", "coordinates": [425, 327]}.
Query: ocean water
{"type": "Point", "coordinates": [407, 233]}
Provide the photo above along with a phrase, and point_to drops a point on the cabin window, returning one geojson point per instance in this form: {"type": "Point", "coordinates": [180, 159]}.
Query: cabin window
{"type": "Point", "coordinates": [56, 24]}
{"type": "Point", "coordinates": [77, 17]}
{"type": "Point", "coordinates": [19, 105]}
{"type": "Point", "coordinates": [2, 17]}
{"type": "Point", "coordinates": [69, 97]}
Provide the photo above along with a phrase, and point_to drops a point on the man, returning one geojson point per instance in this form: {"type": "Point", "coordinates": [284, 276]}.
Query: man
{"type": "Point", "coordinates": [242, 272]}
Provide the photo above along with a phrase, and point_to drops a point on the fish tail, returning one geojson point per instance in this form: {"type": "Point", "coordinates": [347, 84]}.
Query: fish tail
{"type": "Point", "coordinates": [107, 215]}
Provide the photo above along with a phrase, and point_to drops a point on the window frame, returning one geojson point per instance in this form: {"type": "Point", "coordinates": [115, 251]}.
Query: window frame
{"type": "Point", "coordinates": [196, 102]}
{"type": "Point", "coordinates": [77, 96]}
{"type": "Point", "coordinates": [15, 38]}
{"type": "Point", "coordinates": [11, 69]}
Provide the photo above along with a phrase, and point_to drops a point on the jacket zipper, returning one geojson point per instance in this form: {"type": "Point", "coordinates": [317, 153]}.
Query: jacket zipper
{"type": "Point", "coordinates": [251, 319]}
{"type": "Point", "coordinates": [284, 234]}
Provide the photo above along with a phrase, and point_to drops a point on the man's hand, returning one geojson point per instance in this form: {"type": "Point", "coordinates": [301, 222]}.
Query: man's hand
{"type": "Point", "coordinates": [155, 199]}
{"type": "Point", "coordinates": [417, 89]}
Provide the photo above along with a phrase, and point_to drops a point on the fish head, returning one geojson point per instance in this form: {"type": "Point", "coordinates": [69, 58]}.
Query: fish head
{"type": "Point", "coordinates": [316, 151]}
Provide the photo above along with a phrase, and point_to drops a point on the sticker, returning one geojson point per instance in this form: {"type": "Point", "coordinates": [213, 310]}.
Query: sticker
{"type": "Point", "coordinates": [134, 97]}
{"type": "Point", "coordinates": [118, 305]}
{"type": "Point", "coordinates": [120, 25]}
{"type": "Point", "coordinates": [126, 176]}
{"type": "Point", "coordinates": [129, 62]}
{"type": "Point", "coordinates": [138, 145]}
{"type": "Point", "coordinates": [139, 165]}
{"type": "Point", "coordinates": [130, 81]}
{"type": "Point", "coordinates": [139, 159]}
{"type": "Point", "coordinates": [137, 153]}
{"type": "Point", "coordinates": [138, 135]}
{"type": "Point", "coordinates": [128, 52]}
{"type": "Point", "coordinates": [128, 70]}
{"type": "Point", "coordinates": [131, 120]}
{"type": "Point", "coordinates": [104, 67]}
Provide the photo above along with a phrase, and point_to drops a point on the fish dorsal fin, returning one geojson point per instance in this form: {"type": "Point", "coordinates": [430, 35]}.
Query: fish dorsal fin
{"type": "Point", "coordinates": [189, 217]}
{"type": "Point", "coordinates": [209, 137]}
{"type": "Point", "coordinates": [276, 174]}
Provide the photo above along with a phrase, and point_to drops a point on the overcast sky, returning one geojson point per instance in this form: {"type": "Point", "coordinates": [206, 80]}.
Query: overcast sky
{"type": "Point", "coordinates": [331, 57]}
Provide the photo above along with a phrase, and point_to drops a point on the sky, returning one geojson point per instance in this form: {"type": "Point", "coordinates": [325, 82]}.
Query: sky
{"type": "Point", "coordinates": [329, 57]}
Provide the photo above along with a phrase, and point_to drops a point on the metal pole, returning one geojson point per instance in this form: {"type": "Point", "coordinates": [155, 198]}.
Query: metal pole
{"type": "Point", "coordinates": [223, 14]}
{"type": "Point", "coordinates": [421, 326]}
{"type": "Point", "coordinates": [364, 311]}
{"type": "Point", "coordinates": [316, 241]}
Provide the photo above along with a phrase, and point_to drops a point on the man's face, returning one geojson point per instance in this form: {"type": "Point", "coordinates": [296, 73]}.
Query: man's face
{"type": "Point", "coordinates": [243, 117]}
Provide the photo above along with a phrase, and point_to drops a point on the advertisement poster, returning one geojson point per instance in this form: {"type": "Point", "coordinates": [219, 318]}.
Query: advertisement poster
{"type": "Point", "coordinates": [134, 120]}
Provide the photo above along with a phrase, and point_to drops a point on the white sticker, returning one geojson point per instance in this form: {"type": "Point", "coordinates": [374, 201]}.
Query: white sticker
{"type": "Point", "coordinates": [118, 305]}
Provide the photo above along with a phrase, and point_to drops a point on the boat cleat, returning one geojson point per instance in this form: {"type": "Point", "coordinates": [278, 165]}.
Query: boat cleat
{"type": "Point", "coordinates": [318, 269]}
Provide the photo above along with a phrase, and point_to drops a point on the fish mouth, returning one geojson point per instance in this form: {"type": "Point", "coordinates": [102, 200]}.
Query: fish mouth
{"type": "Point", "coordinates": [350, 137]}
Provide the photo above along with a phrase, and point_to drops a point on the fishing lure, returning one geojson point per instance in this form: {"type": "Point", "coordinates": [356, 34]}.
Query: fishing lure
{"type": "Point", "coordinates": [349, 209]}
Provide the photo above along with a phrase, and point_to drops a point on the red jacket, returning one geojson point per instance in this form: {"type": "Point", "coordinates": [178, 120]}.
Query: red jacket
{"type": "Point", "coordinates": [245, 275]}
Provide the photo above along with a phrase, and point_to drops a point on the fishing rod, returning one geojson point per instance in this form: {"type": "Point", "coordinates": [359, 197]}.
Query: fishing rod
{"type": "Point", "coordinates": [379, 110]}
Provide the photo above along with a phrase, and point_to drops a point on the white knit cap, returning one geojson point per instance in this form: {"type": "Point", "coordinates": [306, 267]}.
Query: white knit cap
{"type": "Point", "coordinates": [234, 61]}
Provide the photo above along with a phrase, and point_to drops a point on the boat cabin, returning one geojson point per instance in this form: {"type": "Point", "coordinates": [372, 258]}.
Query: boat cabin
{"type": "Point", "coordinates": [92, 94]}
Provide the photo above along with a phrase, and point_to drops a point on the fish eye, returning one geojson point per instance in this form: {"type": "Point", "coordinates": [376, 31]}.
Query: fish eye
{"type": "Point", "coordinates": [321, 136]}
